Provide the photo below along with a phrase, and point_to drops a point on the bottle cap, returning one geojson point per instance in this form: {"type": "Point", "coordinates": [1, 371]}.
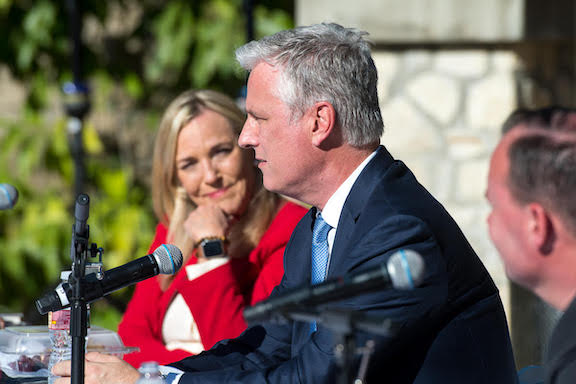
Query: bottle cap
{"type": "Point", "coordinates": [149, 367]}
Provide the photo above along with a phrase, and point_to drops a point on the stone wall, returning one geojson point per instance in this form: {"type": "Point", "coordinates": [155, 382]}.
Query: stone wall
{"type": "Point", "coordinates": [422, 20]}
{"type": "Point", "coordinates": [442, 110]}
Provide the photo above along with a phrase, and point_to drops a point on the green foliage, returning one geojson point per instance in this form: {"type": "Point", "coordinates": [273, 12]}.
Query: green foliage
{"type": "Point", "coordinates": [137, 55]}
{"type": "Point", "coordinates": [152, 48]}
{"type": "Point", "coordinates": [35, 236]}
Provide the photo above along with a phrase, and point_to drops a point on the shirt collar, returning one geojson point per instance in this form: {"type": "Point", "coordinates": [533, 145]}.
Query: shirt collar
{"type": "Point", "coordinates": [333, 208]}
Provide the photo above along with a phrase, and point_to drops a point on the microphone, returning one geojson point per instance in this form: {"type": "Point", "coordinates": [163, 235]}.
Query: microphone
{"type": "Point", "coordinates": [404, 270]}
{"type": "Point", "coordinates": [8, 196]}
{"type": "Point", "coordinates": [166, 259]}
{"type": "Point", "coordinates": [81, 213]}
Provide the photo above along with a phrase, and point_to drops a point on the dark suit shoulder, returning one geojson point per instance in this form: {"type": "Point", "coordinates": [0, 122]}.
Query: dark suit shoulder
{"type": "Point", "coordinates": [387, 190]}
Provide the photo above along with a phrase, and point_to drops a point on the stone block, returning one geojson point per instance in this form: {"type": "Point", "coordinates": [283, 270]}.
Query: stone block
{"type": "Point", "coordinates": [436, 94]}
{"type": "Point", "coordinates": [490, 101]}
{"type": "Point", "coordinates": [471, 179]}
{"type": "Point", "coordinates": [464, 145]}
{"type": "Point", "coordinates": [469, 63]}
{"type": "Point", "coordinates": [387, 66]}
{"type": "Point", "coordinates": [416, 60]}
{"type": "Point", "coordinates": [421, 20]}
{"type": "Point", "coordinates": [504, 61]}
{"type": "Point", "coordinates": [407, 130]}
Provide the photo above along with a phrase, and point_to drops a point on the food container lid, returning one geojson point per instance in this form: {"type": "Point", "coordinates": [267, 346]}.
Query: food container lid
{"type": "Point", "coordinates": [24, 350]}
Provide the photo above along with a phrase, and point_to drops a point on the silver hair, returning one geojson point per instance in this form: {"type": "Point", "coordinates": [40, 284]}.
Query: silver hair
{"type": "Point", "coordinates": [324, 62]}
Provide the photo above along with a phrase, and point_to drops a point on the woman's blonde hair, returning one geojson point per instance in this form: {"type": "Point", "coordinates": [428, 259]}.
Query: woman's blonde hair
{"type": "Point", "coordinates": [171, 202]}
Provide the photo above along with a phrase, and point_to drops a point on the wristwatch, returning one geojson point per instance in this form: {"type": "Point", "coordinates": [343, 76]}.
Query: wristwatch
{"type": "Point", "coordinates": [212, 247]}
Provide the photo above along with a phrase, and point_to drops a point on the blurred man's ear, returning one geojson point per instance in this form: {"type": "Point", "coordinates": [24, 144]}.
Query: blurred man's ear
{"type": "Point", "coordinates": [541, 229]}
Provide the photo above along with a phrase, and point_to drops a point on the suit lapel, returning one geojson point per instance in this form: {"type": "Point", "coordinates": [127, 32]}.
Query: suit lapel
{"type": "Point", "coordinates": [298, 263]}
{"type": "Point", "coordinates": [353, 207]}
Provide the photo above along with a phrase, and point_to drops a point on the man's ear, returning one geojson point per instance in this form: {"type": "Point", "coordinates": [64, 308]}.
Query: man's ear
{"type": "Point", "coordinates": [541, 228]}
{"type": "Point", "coordinates": [324, 118]}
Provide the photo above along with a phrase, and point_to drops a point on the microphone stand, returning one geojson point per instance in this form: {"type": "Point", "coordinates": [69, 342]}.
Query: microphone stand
{"type": "Point", "coordinates": [78, 305]}
{"type": "Point", "coordinates": [76, 97]}
{"type": "Point", "coordinates": [344, 325]}
{"type": "Point", "coordinates": [248, 6]}
{"type": "Point", "coordinates": [77, 105]}
{"type": "Point", "coordinates": [79, 253]}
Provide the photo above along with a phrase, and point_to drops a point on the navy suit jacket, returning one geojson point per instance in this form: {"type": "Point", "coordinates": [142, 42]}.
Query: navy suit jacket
{"type": "Point", "coordinates": [452, 327]}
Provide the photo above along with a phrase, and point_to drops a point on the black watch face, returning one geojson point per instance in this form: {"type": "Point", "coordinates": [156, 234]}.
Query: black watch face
{"type": "Point", "coordinates": [212, 248]}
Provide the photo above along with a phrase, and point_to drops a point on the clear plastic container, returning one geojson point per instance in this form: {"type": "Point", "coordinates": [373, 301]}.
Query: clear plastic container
{"type": "Point", "coordinates": [60, 339]}
{"type": "Point", "coordinates": [25, 350]}
{"type": "Point", "coordinates": [59, 333]}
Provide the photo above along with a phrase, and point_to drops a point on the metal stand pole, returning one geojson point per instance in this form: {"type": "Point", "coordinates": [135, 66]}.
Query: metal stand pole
{"type": "Point", "coordinates": [78, 308]}
{"type": "Point", "coordinates": [76, 101]}
{"type": "Point", "coordinates": [344, 325]}
{"type": "Point", "coordinates": [248, 6]}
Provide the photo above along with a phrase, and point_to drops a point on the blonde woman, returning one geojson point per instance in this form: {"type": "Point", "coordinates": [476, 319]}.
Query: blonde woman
{"type": "Point", "coordinates": [209, 200]}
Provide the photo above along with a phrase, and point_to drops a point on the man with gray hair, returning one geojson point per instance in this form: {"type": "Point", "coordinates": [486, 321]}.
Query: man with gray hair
{"type": "Point", "coordinates": [314, 124]}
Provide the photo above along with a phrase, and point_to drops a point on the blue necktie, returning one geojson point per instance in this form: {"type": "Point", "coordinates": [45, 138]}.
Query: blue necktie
{"type": "Point", "coordinates": [319, 254]}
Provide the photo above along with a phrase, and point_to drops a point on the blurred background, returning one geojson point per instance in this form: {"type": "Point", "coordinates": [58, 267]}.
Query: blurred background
{"type": "Point", "coordinates": [135, 57]}
{"type": "Point", "coordinates": [450, 71]}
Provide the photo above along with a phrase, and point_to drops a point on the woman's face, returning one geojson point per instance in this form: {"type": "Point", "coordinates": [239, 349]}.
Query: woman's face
{"type": "Point", "coordinates": [211, 166]}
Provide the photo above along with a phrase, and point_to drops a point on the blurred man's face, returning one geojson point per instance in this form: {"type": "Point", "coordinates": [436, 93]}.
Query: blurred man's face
{"type": "Point", "coordinates": [282, 147]}
{"type": "Point", "coordinates": [508, 221]}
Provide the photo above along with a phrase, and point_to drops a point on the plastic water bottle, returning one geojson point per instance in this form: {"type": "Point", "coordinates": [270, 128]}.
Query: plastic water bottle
{"type": "Point", "coordinates": [150, 374]}
{"type": "Point", "coordinates": [59, 332]}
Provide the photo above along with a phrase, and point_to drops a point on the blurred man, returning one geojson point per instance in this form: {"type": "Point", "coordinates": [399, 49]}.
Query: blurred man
{"type": "Point", "coordinates": [314, 123]}
{"type": "Point", "coordinates": [532, 189]}
{"type": "Point", "coordinates": [553, 118]}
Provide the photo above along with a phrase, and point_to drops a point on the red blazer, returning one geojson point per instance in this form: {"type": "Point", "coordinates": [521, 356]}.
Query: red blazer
{"type": "Point", "coordinates": [216, 299]}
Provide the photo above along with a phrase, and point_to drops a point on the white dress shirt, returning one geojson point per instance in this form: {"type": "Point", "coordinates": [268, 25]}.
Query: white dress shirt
{"type": "Point", "coordinates": [333, 208]}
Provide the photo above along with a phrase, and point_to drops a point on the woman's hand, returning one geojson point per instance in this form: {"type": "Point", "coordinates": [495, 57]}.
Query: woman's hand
{"type": "Point", "coordinates": [99, 369]}
{"type": "Point", "coordinates": [206, 221]}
